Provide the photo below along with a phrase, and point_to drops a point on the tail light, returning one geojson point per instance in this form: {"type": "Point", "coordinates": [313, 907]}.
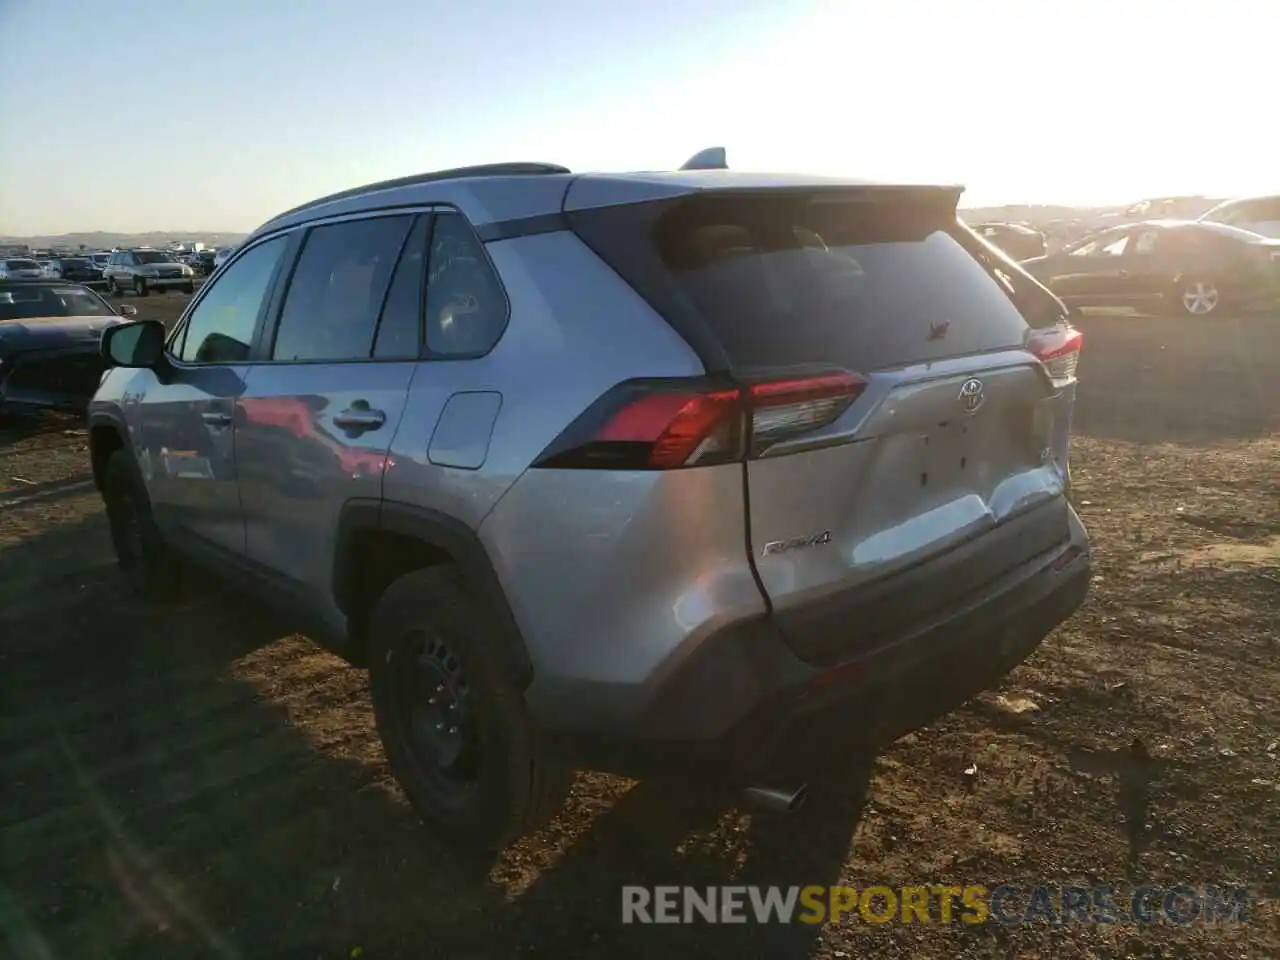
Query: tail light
{"type": "Point", "coordinates": [1058, 348]}
{"type": "Point", "coordinates": [666, 425]}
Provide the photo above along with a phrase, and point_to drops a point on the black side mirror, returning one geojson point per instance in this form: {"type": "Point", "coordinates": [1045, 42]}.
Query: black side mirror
{"type": "Point", "coordinates": [137, 344]}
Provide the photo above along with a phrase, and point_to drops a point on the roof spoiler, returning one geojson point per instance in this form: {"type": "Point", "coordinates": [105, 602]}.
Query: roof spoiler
{"type": "Point", "coordinates": [712, 158]}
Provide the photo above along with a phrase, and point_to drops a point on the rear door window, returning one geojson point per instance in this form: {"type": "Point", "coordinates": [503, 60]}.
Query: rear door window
{"type": "Point", "coordinates": [337, 289]}
{"type": "Point", "coordinates": [782, 279]}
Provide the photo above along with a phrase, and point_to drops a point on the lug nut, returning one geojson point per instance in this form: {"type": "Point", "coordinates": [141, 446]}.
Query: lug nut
{"type": "Point", "coordinates": [431, 701]}
{"type": "Point", "coordinates": [453, 729]}
{"type": "Point", "coordinates": [439, 726]}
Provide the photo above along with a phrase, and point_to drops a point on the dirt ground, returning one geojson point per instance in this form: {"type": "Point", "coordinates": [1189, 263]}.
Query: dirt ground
{"type": "Point", "coordinates": [199, 782]}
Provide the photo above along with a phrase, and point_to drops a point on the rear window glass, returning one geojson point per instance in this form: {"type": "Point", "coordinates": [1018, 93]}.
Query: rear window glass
{"type": "Point", "coordinates": [797, 279]}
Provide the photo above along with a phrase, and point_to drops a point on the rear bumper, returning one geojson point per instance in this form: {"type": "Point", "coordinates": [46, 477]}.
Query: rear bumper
{"type": "Point", "coordinates": [165, 283]}
{"type": "Point", "coordinates": [743, 705]}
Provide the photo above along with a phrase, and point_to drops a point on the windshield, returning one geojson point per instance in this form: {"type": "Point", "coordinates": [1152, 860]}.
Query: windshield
{"type": "Point", "coordinates": [1226, 230]}
{"type": "Point", "coordinates": [22, 265]}
{"type": "Point", "coordinates": [26, 303]}
{"type": "Point", "coordinates": [153, 256]}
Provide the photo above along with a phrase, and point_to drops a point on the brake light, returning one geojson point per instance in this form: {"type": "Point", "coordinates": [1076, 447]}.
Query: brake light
{"type": "Point", "coordinates": [656, 425]}
{"type": "Point", "coordinates": [1059, 350]}
{"type": "Point", "coordinates": [678, 428]}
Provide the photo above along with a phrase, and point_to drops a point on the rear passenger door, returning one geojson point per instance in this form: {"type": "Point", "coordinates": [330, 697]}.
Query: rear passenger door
{"type": "Point", "coordinates": [320, 408]}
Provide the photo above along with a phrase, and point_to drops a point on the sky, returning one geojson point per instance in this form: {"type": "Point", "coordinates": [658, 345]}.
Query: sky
{"type": "Point", "coordinates": [213, 115]}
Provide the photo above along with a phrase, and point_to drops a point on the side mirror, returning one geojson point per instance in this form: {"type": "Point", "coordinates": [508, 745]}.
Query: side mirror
{"type": "Point", "coordinates": [137, 344]}
{"type": "Point", "coordinates": [127, 310]}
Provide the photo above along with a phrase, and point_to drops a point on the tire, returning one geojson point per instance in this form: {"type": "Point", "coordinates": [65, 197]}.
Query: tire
{"type": "Point", "coordinates": [112, 289]}
{"type": "Point", "coordinates": [140, 287]}
{"type": "Point", "coordinates": [436, 652]}
{"type": "Point", "coordinates": [146, 562]}
{"type": "Point", "coordinates": [1198, 297]}
{"type": "Point", "coordinates": [189, 289]}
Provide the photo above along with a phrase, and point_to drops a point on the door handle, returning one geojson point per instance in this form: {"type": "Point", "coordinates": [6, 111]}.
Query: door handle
{"type": "Point", "coordinates": [216, 419]}
{"type": "Point", "coordinates": [359, 417]}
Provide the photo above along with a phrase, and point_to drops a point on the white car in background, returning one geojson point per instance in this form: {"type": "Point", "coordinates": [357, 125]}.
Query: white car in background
{"type": "Point", "coordinates": [21, 268]}
{"type": "Point", "coordinates": [1255, 214]}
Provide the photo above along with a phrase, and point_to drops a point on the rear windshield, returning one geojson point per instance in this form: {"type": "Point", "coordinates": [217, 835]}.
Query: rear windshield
{"type": "Point", "coordinates": [153, 256]}
{"type": "Point", "coordinates": [800, 279]}
{"type": "Point", "coordinates": [27, 303]}
{"type": "Point", "coordinates": [22, 265]}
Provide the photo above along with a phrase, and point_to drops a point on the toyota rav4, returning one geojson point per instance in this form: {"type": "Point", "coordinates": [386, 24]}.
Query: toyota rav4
{"type": "Point", "coordinates": [674, 472]}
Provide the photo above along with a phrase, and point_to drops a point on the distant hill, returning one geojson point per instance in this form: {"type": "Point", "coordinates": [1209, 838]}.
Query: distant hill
{"type": "Point", "coordinates": [103, 240]}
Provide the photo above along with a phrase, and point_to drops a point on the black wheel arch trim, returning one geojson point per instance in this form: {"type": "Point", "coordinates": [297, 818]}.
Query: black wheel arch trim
{"type": "Point", "coordinates": [435, 529]}
{"type": "Point", "coordinates": [102, 418]}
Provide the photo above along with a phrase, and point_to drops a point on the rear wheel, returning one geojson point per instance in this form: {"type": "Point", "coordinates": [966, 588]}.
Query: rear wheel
{"type": "Point", "coordinates": [144, 559]}
{"type": "Point", "coordinates": [1199, 297]}
{"type": "Point", "coordinates": [451, 714]}
{"type": "Point", "coordinates": [188, 288]}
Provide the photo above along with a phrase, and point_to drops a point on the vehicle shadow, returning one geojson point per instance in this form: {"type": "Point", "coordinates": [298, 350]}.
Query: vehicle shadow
{"type": "Point", "coordinates": [195, 781]}
{"type": "Point", "coordinates": [1178, 380]}
{"type": "Point", "coordinates": [652, 838]}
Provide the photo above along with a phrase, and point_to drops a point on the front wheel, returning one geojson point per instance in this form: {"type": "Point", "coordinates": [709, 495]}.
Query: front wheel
{"type": "Point", "coordinates": [189, 288]}
{"type": "Point", "coordinates": [144, 559]}
{"type": "Point", "coordinates": [140, 287]}
{"type": "Point", "coordinates": [112, 289]}
{"type": "Point", "coordinates": [1199, 298]}
{"type": "Point", "coordinates": [451, 714]}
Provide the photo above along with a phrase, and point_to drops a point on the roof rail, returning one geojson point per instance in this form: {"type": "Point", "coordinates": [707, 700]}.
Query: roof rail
{"type": "Point", "coordinates": [514, 169]}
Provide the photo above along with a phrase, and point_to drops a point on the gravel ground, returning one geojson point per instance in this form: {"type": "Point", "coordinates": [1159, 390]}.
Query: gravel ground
{"type": "Point", "coordinates": [202, 782]}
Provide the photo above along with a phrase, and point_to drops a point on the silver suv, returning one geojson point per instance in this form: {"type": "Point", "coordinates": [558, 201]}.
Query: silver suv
{"type": "Point", "coordinates": [681, 473]}
{"type": "Point", "coordinates": [143, 271]}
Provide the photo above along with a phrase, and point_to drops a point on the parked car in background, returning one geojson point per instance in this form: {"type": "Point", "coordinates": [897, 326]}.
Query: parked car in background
{"type": "Point", "coordinates": [615, 470]}
{"type": "Point", "coordinates": [1018, 241]}
{"type": "Point", "coordinates": [202, 262]}
{"type": "Point", "coordinates": [144, 271]}
{"type": "Point", "coordinates": [1186, 266]}
{"type": "Point", "coordinates": [1165, 208]}
{"type": "Point", "coordinates": [100, 259]}
{"type": "Point", "coordinates": [1258, 214]}
{"type": "Point", "coordinates": [49, 344]}
{"type": "Point", "coordinates": [77, 269]}
{"type": "Point", "coordinates": [21, 269]}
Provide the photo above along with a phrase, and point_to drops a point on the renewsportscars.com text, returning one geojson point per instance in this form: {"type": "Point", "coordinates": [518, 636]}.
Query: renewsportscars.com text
{"type": "Point", "coordinates": [1007, 903]}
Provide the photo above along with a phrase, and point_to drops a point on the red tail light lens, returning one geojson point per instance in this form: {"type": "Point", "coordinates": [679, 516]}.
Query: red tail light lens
{"type": "Point", "coordinates": [679, 428]}
{"type": "Point", "coordinates": [667, 425]}
{"type": "Point", "coordinates": [1059, 350]}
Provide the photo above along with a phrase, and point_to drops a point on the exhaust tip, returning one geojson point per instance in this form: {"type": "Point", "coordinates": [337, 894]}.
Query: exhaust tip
{"type": "Point", "coordinates": [776, 800]}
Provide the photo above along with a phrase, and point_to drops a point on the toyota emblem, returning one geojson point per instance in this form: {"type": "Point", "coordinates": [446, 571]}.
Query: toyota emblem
{"type": "Point", "coordinates": [971, 395]}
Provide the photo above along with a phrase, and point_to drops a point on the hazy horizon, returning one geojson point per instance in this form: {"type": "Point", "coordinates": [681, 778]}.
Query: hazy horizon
{"type": "Point", "coordinates": [226, 113]}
